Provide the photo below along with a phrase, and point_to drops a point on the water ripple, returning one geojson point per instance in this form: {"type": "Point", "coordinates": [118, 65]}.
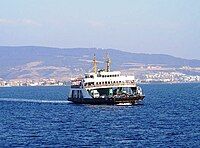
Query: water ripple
{"type": "Point", "coordinates": [41, 117]}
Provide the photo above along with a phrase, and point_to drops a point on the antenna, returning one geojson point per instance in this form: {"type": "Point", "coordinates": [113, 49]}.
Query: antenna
{"type": "Point", "coordinates": [94, 64]}
{"type": "Point", "coordinates": [108, 62]}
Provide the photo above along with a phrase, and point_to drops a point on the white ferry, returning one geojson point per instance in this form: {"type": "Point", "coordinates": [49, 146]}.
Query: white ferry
{"type": "Point", "coordinates": [105, 87]}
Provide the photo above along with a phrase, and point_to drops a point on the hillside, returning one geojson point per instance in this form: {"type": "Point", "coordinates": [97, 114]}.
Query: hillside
{"type": "Point", "coordinates": [39, 62]}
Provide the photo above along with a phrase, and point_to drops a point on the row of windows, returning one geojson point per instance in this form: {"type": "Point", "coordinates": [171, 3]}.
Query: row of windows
{"type": "Point", "coordinates": [91, 76]}
{"type": "Point", "coordinates": [103, 76]}
{"type": "Point", "coordinates": [107, 82]}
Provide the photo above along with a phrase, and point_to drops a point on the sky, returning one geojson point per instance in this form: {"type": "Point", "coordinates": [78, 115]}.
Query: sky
{"type": "Point", "coordinates": [142, 26]}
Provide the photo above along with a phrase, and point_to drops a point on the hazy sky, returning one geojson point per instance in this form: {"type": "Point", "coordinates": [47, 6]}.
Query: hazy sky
{"type": "Point", "coordinates": [144, 26]}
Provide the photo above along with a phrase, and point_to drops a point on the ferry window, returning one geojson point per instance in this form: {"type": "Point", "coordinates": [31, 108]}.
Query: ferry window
{"type": "Point", "coordinates": [91, 76]}
{"type": "Point", "coordinates": [119, 81]}
{"type": "Point", "coordinates": [100, 83]}
{"type": "Point", "coordinates": [91, 83]}
{"type": "Point", "coordinates": [106, 82]}
{"type": "Point", "coordinates": [81, 94]}
{"type": "Point", "coordinates": [78, 93]}
{"type": "Point", "coordinates": [72, 93]}
{"type": "Point", "coordinates": [114, 82]}
{"type": "Point", "coordinates": [75, 93]}
{"type": "Point", "coordinates": [103, 76]}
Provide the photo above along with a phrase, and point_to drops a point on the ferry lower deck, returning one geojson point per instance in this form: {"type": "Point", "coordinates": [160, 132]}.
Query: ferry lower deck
{"type": "Point", "coordinates": [108, 100]}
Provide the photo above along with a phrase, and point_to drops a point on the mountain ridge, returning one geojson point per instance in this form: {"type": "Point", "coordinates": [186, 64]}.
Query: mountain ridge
{"type": "Point", "coordinates": [59, 62]}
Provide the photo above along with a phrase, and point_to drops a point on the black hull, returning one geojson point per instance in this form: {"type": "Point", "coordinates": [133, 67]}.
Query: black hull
{"type": "Point", "coordinates": [108, 101]}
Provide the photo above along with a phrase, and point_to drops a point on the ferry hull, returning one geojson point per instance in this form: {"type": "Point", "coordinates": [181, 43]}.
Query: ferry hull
{"type": "Point", "coordinates": [108, 101]}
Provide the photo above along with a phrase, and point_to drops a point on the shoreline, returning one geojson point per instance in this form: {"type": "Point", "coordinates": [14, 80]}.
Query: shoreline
{"type": "Point", "coordinates": [69, 85]}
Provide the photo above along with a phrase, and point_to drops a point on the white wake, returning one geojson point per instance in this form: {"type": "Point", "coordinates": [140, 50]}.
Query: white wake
{"type": "Point", "coordinates": [35, 101]}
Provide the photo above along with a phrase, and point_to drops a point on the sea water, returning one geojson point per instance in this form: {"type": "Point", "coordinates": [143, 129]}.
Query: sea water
{"type": "Point", "coordinates": [169, 116]}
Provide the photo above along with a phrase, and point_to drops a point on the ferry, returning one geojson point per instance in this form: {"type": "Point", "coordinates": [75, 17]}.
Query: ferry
{"type": "Point", "coordinates": [105, 87]}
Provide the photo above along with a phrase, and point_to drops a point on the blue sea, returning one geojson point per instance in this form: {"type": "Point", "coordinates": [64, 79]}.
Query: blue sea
{"type": "Point", "coordinates": [169, 116]}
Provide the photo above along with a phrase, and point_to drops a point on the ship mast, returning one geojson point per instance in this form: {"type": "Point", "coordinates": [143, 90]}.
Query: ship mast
{"type": "Point", "coordinates": [108, 61]}
{"type": "Point", "coordinates": [94, 64]}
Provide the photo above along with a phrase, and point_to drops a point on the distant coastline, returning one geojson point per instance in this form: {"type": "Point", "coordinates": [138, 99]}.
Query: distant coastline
{"type": "Point", "coordinates": [68, 85]}
{"type": "Point", "coordinates": [37, 65]}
